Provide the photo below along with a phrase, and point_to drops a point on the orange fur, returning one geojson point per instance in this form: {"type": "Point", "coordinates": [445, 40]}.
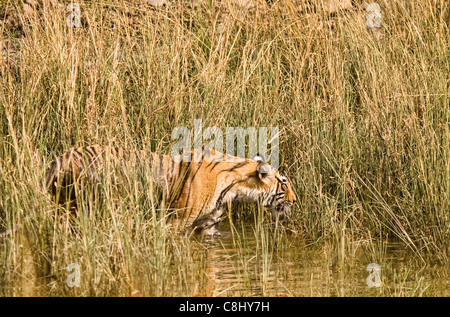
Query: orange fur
{"type": "Point", "coordinates": [199, 189]}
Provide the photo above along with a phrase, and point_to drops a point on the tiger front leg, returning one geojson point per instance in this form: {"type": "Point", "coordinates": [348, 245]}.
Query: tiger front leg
{"type": "Point", "coordinates": [209, 224]}
{"type": "Point", "coordinates": [212, 231]}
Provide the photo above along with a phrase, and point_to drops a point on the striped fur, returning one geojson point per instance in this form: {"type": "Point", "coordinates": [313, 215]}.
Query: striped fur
{"type": "Point", "coordinates": [199, 189]}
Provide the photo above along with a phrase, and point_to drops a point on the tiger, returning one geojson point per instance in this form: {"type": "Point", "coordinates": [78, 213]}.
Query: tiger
{"type": "Point", "coordinates": [201, 185]}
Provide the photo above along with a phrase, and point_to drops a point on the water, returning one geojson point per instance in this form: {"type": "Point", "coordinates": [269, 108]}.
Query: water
{"type": "Point", "coordinates": [245, 264]}
{"type": "Point", "coordinates": [256, 260]}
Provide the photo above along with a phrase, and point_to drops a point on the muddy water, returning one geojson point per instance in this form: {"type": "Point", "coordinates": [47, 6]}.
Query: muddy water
{"type": "Point", "coordinates": [245, 264]}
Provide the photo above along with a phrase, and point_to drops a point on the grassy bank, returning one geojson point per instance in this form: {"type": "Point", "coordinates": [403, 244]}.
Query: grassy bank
{"type": "Point", "coordinates": [364, 119]}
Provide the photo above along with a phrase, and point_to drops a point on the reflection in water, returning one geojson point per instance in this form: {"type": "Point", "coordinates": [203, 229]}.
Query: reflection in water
{"type": "Point", "coordinates": [241, 265]}
{"type": "Point", "coordinates": [252, 260]}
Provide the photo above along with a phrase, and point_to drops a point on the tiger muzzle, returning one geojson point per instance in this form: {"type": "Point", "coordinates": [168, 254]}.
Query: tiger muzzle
{"type": "Point", "coordinates": [282, 210]}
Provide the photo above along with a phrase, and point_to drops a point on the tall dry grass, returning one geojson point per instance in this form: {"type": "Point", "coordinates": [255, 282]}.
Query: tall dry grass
{"type": "Point", "coordinates": [364, 120]}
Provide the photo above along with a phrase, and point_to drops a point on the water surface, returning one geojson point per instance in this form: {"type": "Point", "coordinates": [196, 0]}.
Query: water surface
{"type": "Point", "coordinates": [245, 264]}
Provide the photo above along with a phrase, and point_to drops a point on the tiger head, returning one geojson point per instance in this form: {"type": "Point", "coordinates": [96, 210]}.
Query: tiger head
{"type": "Point", "coordinates": [275, 190]}
{"type": "Point", "coordinates": [216, 180]}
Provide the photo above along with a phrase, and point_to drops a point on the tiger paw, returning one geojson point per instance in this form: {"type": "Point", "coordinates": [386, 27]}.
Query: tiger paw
{"type": "Point", "coordinates": [211, 231]}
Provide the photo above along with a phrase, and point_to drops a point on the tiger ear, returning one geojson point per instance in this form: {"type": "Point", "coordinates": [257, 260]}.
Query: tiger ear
{"type": "Point", "coordinates": [264, 170]}
{"type": "Point", "coordinates": [258, 158]}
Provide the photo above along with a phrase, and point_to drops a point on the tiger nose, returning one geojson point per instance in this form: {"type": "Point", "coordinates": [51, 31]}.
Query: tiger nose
{"type": "Point", "coordinates": [293, 198]}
